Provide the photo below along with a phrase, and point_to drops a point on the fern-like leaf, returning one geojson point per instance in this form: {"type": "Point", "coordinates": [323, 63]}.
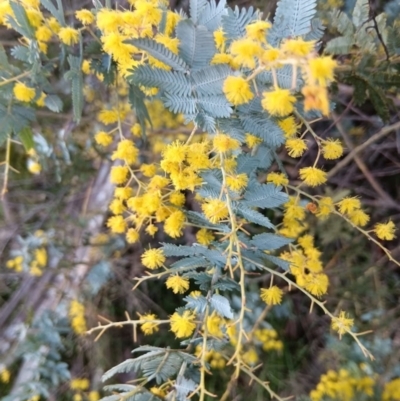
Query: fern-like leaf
{"type": "Point", "coordinates": [360, 12]}
{"type": "Point", "coordinates": [264, 128]}
{"type": "Point", "coordinates": [269, 242]}
{"type": "Point", "coordinates": [209, 80]}
{"type": "Point", "coordinates": [254, 216]}
{"type": "Point", "coordinates": [174, 82]}
{"type": "Point", "coordinates": [265, 196]}
{"type": "Point", "coordinates": [196, 44]}
{"type": "Point", "coordinates": [212, 14]}
{"type": "Point", "coordinates": [196, 7]}
{"type": "Point", "coordinates": [160, 52]}
{"type": "Point", "coordinates": [216, 106]}
{"type": "Point", "coordinates": [177, 104]}
{"type": "Point", "coordinates": [292, 19]}
{"type": "Point", "coordinates": [235, 21]}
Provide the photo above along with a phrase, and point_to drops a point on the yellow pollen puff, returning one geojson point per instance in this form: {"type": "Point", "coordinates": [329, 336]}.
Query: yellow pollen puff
{"type": "Point", "coordinates": [177, 284]}
{"type": "Point", "coordinates": [204, 236]}
{"type": "Point", "coordinates": [215, 210]}
{"type": "Point", "coordinates": [136, 130]}
{"type": "Point", "coordinates": [385, 231]}
{"type": "Point", "coordinates": [43, 33]}
{"type": "Point", "coordinates": [153, 258]}
{"type": "Point", "coordinates": [77, 316]}
{"type": "Point", "coordinates": [237, 182]}
{"type": "Point", "coordinates": [183, 325]}
{"type": "Point", "coordinates": [325, 207]}
{"type": "Point", "coordinates": [252, 140]}
{"type": "Point", "coordinates": [132, 236]}
{"type": "Point", "coordinates": [177, 198]}
{"type": "Point", "coordinates": [313, 176]}
{"type": "Point", "coordinates": [257, 30]}
{"type": "Point", "coordinates": [219, 39]}
{"type": "Point", "coordinates": [289, 126]}
{"type": "Point", "coordinates": [296, 147]}
{"type": "Point", "coordinates": [245, 51]}
{"type": "Point", "coordinates": [119, 174]}
{"type": "Point", "coordinates": [332, 149]}
{"type": "Point", "coordinates": [224, 143]}
{"type": "Point", "coordinates": [69, 36]}
{"type": "Point", "coordinates": [149, 327]}
{"type": "Point", "coordinates": [148, 170]}
{"type": "Point", "coordinates": [116, 224]}
{"type": "Point", "coordinates": [297, 47]}
{"type": "Point", "coordinates": [102, 138]}
{"type": "Point", "coordinates": [321, 69]}
{"type": "Point", "coordinates": [108, 116]}
{"type": "Point", "coordinates": [126, 151]}
{"type": "Point", "coordinates": [316, 98]}
{"type": "Point", "coordinates": [214, 322]}
{"type": "Point", "coordinates": [174, 223]}
{"type": "Point", "coordinates": [359, 218]}
{"type": "Point", "coordinates": [342, 323]}
{"type": "Point", "coordinates": [272, 295]}
{"type": "Point", "coordinates": [151, 229]}
{"type": "Point", "coordinates": [278, 102]}
{"type": "Point", "coordinates": [23, 93]}
{"type": "Point", "coordinates": [79, 384]}
{"type": "Point", "coordinates": [237, 90]}
{"type": "Point", "coordinates": [108, 20]}
{"type": "Point", "coordinates": [84, 16]}
{"type": "Point", "coordinates": [349, 205]}
{"type": "Point", "coordinates": [277, 178]}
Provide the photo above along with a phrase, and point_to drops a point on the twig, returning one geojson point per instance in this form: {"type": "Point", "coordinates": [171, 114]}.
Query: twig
{"type": "Point", "coordinates": [362, 166]}
{"type": "Point", "coordinates": [380, 134]}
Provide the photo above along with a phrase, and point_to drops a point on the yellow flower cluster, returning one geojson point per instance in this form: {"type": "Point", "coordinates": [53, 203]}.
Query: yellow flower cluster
{"type": "Point", "coordinates": [16, 264]}
{"type": "Point", "coordinates": [306, 266]}
{"type": "Point", "coordinates": [5, 375]}
{"type": "Point", "coordinates": [77, 317]}
{"type": "Point", "coordinates": [343, 385]}
{"type": "Point", "coordinates": [38, 262]}
{"type": "Point", "coordinates": [214, 358]}
{"type": "Point", "coordinates": [183, 325]}
{"type": "Point", "coordinates": [351, 207]}
{"type": "Point", "coordinates": [269, 339]}
{"type": "Point", "coordinates": [148, 327]}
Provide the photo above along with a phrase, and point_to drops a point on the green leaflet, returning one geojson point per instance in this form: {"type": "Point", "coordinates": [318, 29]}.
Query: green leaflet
{"type": "Point", "coordinates": [235, 21]}
{"type": "Point", "coordinates": [253, 216]}
{"type": "Point", "coordinates": [209, 80]}
{"type": "Point", "coordinates": [174, 82]}
{"type": "Point", "coordinates": [75, 76]}
{"type": "Point", "coordinates": [292, 19]}
{"type": "Point", "coordinates": [269, 242]}
{"type": "Point", "coordinates": [196, 44]}
{"type": "Point", "coordinates": [21, 22]}
{"type": "Point", "coordinates": [190, 263]}
{"type": "Point", "coordinates": [160, 52]}
{"type": "Point", "coordinates": [26, 137]}
{"type": "Point", "coordinates": [198, 304]}
{"type": "Point", "coordinates": [136, 99]}
{"type": "Point", "coordinates": [360, 12]}
{"type": "Point", "coordinates": [196, 7]}
{"type": "Point", "coordinates": [262, 126]}
{"type": "Point", "coordinates": [222, 306]}
{"type": "Point", "coordinates": [265, 196]}
{"type": "Point", "coordinates": [14, 119]}
{"type": "Point", "coordinates": [212, 14]}
{"type": "Point", "coordinates": [159, 364]}
{"type": "Point", "coordinates": [57, 13]}
{"type": "Point", "coordinates": [341, 22]}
